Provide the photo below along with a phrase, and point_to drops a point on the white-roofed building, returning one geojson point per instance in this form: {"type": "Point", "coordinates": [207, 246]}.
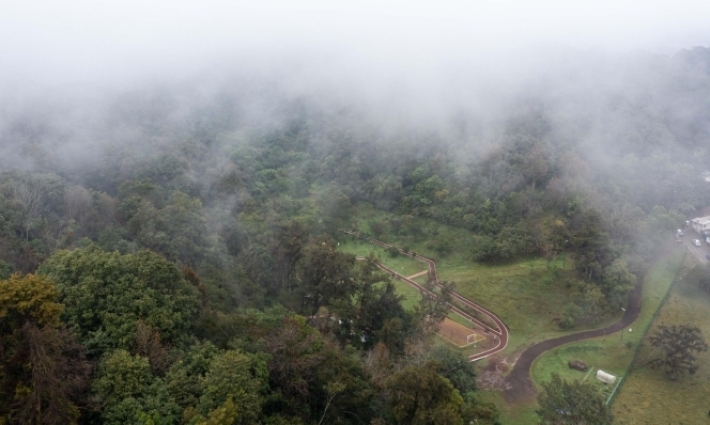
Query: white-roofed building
{"type": "Point", "coordinates": [701, 225]}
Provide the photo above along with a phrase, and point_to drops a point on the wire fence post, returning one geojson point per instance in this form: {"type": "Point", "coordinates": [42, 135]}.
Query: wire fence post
{"type": "Point", "coordinates": [613, 394]}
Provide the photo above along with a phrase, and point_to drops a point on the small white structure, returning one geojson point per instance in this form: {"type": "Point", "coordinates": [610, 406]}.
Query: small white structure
{"type": "Point", "coordinates": [701, 224]}
{"type": "Point", "coordinates": [606, 378]}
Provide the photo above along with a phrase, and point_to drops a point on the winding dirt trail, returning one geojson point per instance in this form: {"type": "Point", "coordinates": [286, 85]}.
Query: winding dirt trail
{"type": "Point", "coordinates": [499, 332]}
{"type": "Point", "coordinates": [521, 387]}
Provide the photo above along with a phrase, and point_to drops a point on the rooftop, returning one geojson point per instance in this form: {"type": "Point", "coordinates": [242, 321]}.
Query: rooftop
{"type": "Point", "coordinates": [701, 220]}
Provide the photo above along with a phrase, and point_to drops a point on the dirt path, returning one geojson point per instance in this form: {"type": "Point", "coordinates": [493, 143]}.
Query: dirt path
{"type": "Point", "coordinates": [520, 386]}
{"type": "Point", "coordinates": [499, 334]}
{"type": "Point", "coordinates": [416, 275]}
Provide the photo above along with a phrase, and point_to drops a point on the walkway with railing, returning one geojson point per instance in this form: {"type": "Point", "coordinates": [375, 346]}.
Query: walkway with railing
{"type": "Point", "coordinates": [499, 332]}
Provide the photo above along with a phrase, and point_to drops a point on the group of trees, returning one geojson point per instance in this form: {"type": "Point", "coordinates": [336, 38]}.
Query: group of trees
{"type": "Point", "coordinates": [104, 337]}
{"type": "Point", "coordinates": [570, 402]}
{"type": "Point", "coordinates": [200, 240]}
{"type": "Point", "coordinates": [563, 402]}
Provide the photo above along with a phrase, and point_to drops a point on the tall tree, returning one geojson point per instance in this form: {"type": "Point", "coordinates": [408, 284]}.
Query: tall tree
{"type": "Point", "coordinates": [376, 303]}
{"type": "Point", "coordinates": [565, 402]}
{"type": "Point", "coordinates": [432, 310]}
{"type": "Point", "coordinates": [43, 368]}
{"type": "Point", "coordinates": [679, 345]}
{"type": "Point", "coordinates": [419, 395]}
{"type": "Point", "coordinates": [287, 250]}
{"type": "Point", "coordinates": [325, 276]}
{"type": "Point", "coordinates": [239, 377]}
{"type": "Point", "coordinates": [107, 294]}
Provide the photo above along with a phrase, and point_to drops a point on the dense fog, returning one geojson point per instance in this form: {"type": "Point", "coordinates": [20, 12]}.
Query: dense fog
{"type": "Point", "coordinates": [187, 192]}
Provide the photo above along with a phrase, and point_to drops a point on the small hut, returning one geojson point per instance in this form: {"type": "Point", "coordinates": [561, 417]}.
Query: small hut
{"type": "Point", "coordinates": [606, 378]}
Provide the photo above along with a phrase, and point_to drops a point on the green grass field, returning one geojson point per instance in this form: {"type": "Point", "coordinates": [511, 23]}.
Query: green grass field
{"type": "Point", "coordinates": [647, 396]}
{"type": "Point", "coordinates": [406, 266]}
{"type": "Point", "coordinates": [402, 264]}
{"type": "Point", "coordinates": [516, 292]}
{"type": "Point", "coordinates": [411, 296]}
{"type": "Point", "coordinates": [519, 294]}
{"type": "Point", "coordinates": [612, 353]}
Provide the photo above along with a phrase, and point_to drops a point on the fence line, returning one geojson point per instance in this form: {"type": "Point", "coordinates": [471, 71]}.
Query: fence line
{"type": "Point", "coordinates": [613, 394]}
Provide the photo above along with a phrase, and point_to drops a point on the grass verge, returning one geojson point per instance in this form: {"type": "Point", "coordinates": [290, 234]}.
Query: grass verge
{"type": "Point", "coordinates": [647, 396]}
{"type": "Point", "coordinates": [612, 353]}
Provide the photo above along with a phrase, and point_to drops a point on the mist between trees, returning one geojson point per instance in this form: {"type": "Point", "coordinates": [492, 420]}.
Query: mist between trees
{"type": "Point", "coordinates": [188, 230]}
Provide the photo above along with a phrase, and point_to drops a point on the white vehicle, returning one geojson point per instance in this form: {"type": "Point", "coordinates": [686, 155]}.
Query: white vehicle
{"type": "Point", "coordinates": [696, 242]}
{"type": "Point", "coordinates": [679, 232]}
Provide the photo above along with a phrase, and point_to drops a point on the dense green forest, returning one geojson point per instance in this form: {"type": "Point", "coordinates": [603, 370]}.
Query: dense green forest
{"type": "Point", "coordinates": [168, 252]}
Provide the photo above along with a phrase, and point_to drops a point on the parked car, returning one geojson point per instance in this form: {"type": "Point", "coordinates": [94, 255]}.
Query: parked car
{"type": "Point", "coordinates": [679, 232]}
{"type": "Point", "coordinates": [696, 242]}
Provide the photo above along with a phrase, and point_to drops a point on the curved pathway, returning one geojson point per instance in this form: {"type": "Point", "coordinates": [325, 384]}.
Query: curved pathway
{"type": "Point", "coordinates": [521, 387]}
{"type": "Point", "coordinates": [500, 333]}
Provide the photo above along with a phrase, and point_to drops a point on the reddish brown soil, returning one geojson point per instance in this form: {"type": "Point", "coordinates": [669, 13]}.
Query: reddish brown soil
{"type": "Point", "coordinates": [455, 332]}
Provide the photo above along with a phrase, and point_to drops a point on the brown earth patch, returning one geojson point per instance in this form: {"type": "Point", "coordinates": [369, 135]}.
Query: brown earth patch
{"type": "Point", "coordinates": [458, 334]}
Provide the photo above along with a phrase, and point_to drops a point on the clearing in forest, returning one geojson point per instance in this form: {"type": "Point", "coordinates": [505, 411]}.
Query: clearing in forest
{"type": "Point", "coordinates": [647, 395]}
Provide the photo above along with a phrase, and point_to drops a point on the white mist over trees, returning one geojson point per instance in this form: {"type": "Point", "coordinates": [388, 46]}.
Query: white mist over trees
{"type": "Point", "coordinates": [218, 152]}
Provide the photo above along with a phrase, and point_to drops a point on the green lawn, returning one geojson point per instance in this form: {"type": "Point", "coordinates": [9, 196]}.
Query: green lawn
{"type": "Point", "coordinates": [647, 396]}
{"type": "Point", "coordinates": [516, 292]}
{"type": "Point", "coordinates": [612, 353]}
{"type": "Point", "coordinates": [459, 319]}
{"type": "Point", "coordinates": [519, 293]}
{"type": "Point", "coordinates": [406, 266]}
{"type": "Point", "coordinates": [402, 264]}
{"type": "Point", "coordinates": [411, 296]}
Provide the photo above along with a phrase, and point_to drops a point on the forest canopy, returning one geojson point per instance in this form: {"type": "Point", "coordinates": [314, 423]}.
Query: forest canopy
{"type": "Point", "coordinates": [169, 253]}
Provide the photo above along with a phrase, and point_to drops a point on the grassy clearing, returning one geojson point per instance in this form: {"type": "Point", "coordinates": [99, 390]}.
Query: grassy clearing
{"type": "Point", "coordinates": [459, 319]}
{"type": "Point", "coordinates": [520, 414]}
{"type": "Point", "coordinates": [402, 264]}
{"type": "Point", "coordinates": [612, 353]}
{"type": "Point", "coordinates": [411, 296]}
{"type": "Point", "coordinates": [518, 292]}
{"type": "Point", "coordinates": [515, 292]}
{"type": "Point", "coordinates": [647, 396]}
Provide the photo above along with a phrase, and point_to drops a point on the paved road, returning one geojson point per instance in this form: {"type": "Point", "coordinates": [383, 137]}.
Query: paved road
{"type": "Point", "coordinates": [521, 387]}
{"type": "Point", "coordinates": [701, 251]}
